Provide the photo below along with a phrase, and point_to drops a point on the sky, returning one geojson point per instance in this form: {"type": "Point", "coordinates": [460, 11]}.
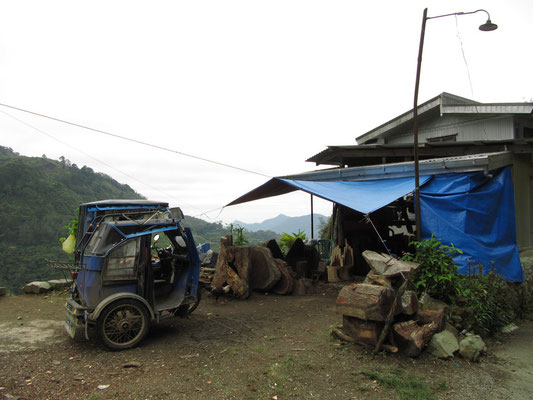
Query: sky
{"type": "Point", "coordinates": [257, 85]}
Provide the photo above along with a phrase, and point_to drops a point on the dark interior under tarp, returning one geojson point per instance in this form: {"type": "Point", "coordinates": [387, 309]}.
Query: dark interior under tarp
{"type": "Point", "coordinates": [473, 211]}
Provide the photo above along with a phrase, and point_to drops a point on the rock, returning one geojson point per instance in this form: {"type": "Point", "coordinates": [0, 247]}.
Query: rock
{"type": "Point", "coordinates": [443, 345]}
{"type": "Point", "coordinates": [36, 287]}
{"type": "Point", "coordinates": [450, 328]}
{"type": "Point", "coordinates": [3, 291]}
{"type": "Point", "coordinates": [59, 284]}
{"type": "Point", "coordinates": [471, 347]}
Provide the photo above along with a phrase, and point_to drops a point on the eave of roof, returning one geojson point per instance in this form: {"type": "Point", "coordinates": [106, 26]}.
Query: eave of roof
{"type": "Point", "coordinates": [340, 155]}
{"type": "Point", "coordinates": [477, 162]}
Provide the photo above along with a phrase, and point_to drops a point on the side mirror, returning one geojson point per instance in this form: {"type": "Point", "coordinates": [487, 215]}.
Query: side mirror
{"type": "Point", "coordinates": [176, 213]}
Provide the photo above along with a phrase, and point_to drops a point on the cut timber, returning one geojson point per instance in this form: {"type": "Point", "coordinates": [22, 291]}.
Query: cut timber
{"type": "Point", "coordinates": [348, 338]}
{"type": "Point", "coordinates": [244, 268]}
{"type": "Point", "coordinates": [438, 317]}
{"type": "Point", "coordinates": [409, 303]}
{"type": "Point", "coordinates": [362, 331]}
{"type": "Point", "coordinates": [365, 301]}
{"type": "Point", "coordinates": [264, 272]}
{"type": "Point", "coordinates": [285, 284]}
{"type": "Point", "coordinates": [412, 338]}
{"type": "Point", "coordinates": [387, 266]}
{"type": "Point", "coordinates": [377, 280]}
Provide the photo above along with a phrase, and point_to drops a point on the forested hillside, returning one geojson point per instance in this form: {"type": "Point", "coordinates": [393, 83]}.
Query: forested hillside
{"type": "Point", "coordinates": [39, 196]}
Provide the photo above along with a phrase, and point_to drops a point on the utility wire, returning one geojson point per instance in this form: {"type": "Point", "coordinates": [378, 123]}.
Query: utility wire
{"type": "Point", "coordinates": [97, 160]}
{"type": "Point", "coordinates": [136, 141]}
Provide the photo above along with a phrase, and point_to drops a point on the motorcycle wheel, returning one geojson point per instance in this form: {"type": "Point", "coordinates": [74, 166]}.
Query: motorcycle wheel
{"type": "Point", "coordinates": [123, 324]}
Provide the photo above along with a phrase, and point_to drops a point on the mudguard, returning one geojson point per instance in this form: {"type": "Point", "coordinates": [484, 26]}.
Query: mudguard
{"type": "Point", "coordinates": [122, 295]}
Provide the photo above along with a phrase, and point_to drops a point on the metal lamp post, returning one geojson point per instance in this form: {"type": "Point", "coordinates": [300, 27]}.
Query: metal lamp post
{"type": "Point", "coordinates": [487, 26]}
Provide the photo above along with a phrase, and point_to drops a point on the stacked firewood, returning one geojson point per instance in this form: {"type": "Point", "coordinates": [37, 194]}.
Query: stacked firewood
{"type": "Point", "coordinates": [380, 313]}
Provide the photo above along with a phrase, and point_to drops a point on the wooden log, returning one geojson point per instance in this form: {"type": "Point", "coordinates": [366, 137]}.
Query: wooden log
{"type": "Point", "coordinates": [264, 272]}
{"type": "Point", "coordinates": [386, 265]}
{"type": "Point", "coordinates": [362, 331]}
{"type": "Point", "coordinates": [369, 302]}
{"type": "Point", "coordinates": [409, 303]}
{"type": "Point", "coordinates": [412, 338]}
{"type": "Point", "coordinates": [438, 317]}
{"type": "Point", "coordinates": [377, 280]}
{"type": "Point", "coordinates": [285, 284]}
{"type": "Point", "coordinates": [342, 336]}
{"type": "Point", "coordinates": [392, 311]}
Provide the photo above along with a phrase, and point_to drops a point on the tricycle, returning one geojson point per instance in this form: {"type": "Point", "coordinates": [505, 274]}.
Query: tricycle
{"type": "Point", "coordinates": [134, 265]}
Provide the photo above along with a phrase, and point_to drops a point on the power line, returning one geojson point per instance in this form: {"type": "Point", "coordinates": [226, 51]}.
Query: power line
{"type": "Point", "coordinates": [100, 161]}
{"type": "Point", "coordinates": [136, 141]}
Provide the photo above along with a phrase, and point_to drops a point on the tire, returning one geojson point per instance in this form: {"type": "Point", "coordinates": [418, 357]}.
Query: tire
{"type": "Point", "coordinates": [123, 324]}
{"type": "Point", "coordinates": [194, 305]}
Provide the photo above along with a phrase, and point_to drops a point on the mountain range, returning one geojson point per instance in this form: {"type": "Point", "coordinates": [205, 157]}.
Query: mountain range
{"type": "Point", "coordinates": [283, 223]}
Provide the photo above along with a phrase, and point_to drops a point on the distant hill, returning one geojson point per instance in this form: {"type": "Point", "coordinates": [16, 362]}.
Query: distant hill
{"type": "Point", "coordinates": [283, 223]}
{"type": "Point", "coordinates": [39, 196]}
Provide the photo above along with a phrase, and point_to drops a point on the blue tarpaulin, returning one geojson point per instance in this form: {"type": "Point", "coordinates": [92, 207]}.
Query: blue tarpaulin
{"type": "Point", "coordinates": [362, 196]}
{"type": "Point", "coordinates": [476, 213]}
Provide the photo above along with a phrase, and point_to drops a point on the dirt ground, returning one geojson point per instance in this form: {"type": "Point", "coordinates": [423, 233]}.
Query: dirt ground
{"type": "Point", "coordinates": [266, 347]}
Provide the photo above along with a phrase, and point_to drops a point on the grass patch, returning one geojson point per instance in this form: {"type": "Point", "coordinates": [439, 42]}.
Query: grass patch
{"type": "Point", "coordinates": [407, 387]}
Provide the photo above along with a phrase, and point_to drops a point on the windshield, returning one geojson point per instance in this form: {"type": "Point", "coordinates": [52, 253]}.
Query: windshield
{"type": "Point", "coordinates": [102, 240]}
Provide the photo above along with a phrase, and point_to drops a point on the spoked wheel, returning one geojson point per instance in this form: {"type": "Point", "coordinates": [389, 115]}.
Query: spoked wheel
{"type": "Point", "coordinates": [192, 306]}
{"type": "Point", "coordinates": [123, 324]}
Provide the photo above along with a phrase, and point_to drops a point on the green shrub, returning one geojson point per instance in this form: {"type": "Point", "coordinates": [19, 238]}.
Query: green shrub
{"type": "Point", "coordinates": [437, 271]}
{"type": "Point", "coordinates": [481, 303]}
{"type": "Point", "coordinates": [287, 240]}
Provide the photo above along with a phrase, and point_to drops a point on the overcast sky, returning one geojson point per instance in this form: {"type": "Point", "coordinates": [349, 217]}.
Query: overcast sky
{"type": "Point", "coordinates": [260, 85]}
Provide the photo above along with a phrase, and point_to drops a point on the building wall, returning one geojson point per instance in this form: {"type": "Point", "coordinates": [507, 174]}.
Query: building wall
{"type": "Point", "coordinates": [523, 198]}
{"type": "Point", "coordinates": [466, 128]}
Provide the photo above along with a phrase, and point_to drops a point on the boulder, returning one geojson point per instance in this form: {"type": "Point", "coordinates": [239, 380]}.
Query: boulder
{"type": "Point", "coordinates": [471, 347]}
{"type": "Point", "coordinates": [36, 287]}
{"type": "Point", "coordinates": [3, 291]}
{"type": "Point", "coordinates": [59, 284]}
{"type": "Point", "coordinates": [443, 345]}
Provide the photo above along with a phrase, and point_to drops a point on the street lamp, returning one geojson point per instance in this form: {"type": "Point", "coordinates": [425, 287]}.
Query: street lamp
{"type": "Point", "coordinates": [486, 27]}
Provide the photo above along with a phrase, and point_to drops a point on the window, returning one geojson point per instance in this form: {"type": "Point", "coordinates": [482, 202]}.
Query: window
{"type": "Point", "coordinates": [121, 261]}
{"type": "Point", "coordinates": [102, 240]}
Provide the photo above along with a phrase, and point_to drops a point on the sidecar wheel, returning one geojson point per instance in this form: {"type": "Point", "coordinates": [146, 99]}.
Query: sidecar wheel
{"type": "Point", "coordinates": [123, 324]}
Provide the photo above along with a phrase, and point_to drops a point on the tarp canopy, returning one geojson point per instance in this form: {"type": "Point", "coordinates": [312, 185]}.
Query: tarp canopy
{"type": "Point", "coordinates": [473, 211]}
{"type": "Point", "coordinates": [362, 196]}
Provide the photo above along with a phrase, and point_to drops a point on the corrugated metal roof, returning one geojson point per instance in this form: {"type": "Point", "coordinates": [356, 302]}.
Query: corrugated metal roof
{"type": "Point", "coordinates": [477, 162]}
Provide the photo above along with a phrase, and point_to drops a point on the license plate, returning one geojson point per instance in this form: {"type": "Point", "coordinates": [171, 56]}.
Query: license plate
{"type": "Point", "coordinates": [71, 324]}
